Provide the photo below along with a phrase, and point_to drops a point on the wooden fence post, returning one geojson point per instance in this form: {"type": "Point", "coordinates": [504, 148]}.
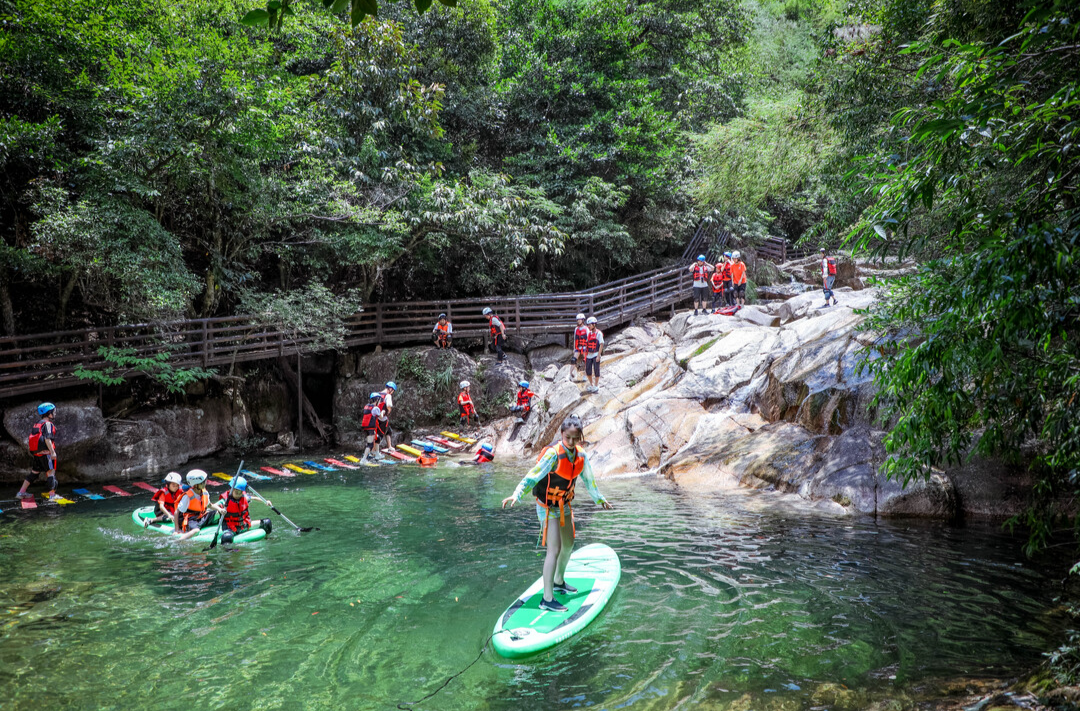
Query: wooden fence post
{"type": "Point", "coordinates": [517, 314]}
{"type": "Point", "coordinates": [205, 343]}
{"type": "Point", "coordinates": [379, 323]}
{"type": "Point", "coordinates": [622, 304]}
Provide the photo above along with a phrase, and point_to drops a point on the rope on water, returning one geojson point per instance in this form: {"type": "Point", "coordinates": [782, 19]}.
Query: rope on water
{"type": "Point", "coordinates": [406, 705]}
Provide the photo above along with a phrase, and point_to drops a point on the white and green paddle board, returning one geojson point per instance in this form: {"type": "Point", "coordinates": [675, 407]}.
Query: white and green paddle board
{"type": "Point", "coordinates": [525, 629]}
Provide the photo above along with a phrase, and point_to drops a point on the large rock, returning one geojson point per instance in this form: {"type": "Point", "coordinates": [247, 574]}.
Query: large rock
{"type": "Point", "coordinates": [272, 406]}
{"type": "Point", "coordinates": [540, 358]}
{"type": "Point", "coordinates": [202, 430]}
{"type": "Point", "coordinates": [80, 426]}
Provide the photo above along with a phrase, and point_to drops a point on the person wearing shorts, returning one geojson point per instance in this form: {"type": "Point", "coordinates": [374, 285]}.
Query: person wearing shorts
{"type": "Point", "coordinates": [42, 446]}
{"type": "Point", "coordinates": [594, 348]}
{"type": "Point", "coordinates": [581, 335]}
{"type": "Point", "coordinates": [738, 278]}
{"type": "Point", "coordinates": [700, 271]}
{"type": "Point", "coordinates": [828, 277]}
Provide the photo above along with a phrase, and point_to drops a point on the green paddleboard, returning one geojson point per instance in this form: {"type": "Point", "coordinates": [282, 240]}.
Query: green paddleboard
{"type": "Point", "coordinates": [205, 535]}
{"type": "Point", "coordinates": [525, 629]}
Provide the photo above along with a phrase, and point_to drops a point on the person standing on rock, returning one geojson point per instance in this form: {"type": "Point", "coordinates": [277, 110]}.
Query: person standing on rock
{"type": "Point", "coordinates": [828, 276]}
{"type": "Point", "coordinates": [581, 335]}
{"type": "Point", "coordinates": [443, 333]}
{"type": "Point", "coordinates": [717, 281]}
{"type": "Point", "coordinates": [738, 278]}
{"type": "Point", "coordinates": [699, 272]}
{"type": "Point", "coordinates": [373, 425]}
{"type": "Point", "coordinates": [725, 277]}
{"type": "Point", "coordinates": [466, 409]}
{"type": "Point", "coordinates": [594, 348]}
{"type": "Point", "coordinates": [552, 482]}
{"type": "Point", "coordinates": [42, 445]}
{"type": "Point", "coordinates": [498, 332]}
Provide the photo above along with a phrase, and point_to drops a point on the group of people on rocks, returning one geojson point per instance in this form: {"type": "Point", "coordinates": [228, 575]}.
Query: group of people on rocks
{"type": "Point", "coordinates": [727, 281]}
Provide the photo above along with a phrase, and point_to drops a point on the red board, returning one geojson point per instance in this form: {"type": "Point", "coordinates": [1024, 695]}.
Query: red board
{"type": "Point", "coordinates": [28, 503]}
{"type": "Point", "coordinates": [279, 472]}
{"type": "Point", "coordinates": [396, 454]}
{"type": "Point", "coordinates": [116, 490]}
{"type": "Point", "coordinates": [445, 442]}
{"type": "Point", "coordinates": [346, 465]}
{"type": "Point", "coordinates": [144, 485]}
{"type": "Point", "coordinates": [211, 482]}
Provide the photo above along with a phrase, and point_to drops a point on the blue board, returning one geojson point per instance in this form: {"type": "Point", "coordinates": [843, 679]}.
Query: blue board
{"type": "Point", "coordinates": [421, 443]}
{"type": "Point", "coordinates": [86, 493]}
{"type": "Point", "coordinates": [252, 475]}
{"type": "Point", "coordinates": [323, 467]}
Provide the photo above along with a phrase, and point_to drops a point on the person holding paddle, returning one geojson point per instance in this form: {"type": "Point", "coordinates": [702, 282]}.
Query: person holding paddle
{"type": "Point", "coordinates": [237, 516]}
{"type": "Point", "coordinates": [552, 482]}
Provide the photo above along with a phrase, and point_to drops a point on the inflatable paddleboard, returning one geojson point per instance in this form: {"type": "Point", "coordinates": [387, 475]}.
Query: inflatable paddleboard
{"type": "Point", "coordinates": [205, 535]}
{"type": "Point", "coordinates": [525, 629]}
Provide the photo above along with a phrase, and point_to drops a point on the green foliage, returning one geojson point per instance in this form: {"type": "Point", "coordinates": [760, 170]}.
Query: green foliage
{"type": "Point", "coordinates": [312, 314]}
{"type": "Point", "coordinates": [122, 363]}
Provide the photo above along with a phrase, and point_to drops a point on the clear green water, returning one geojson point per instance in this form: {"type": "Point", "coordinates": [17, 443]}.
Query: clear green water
{"type": "Point", "coordinates": [723, 604]}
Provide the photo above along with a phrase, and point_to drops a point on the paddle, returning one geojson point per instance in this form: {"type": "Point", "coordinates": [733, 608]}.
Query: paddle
{"type": "Point", "coordinates": [274, 509]}
{"type": "Point", "coordinates": [217, 533]}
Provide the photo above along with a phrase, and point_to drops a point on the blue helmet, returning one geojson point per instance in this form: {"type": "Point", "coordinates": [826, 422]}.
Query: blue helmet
{"type": "Point", "coordinates": [240, 483]}
{"type": "Point", "coordinates": [523, 384]}
{"type": "Point", "coordinates": [486, 447]}
{"type": "Point", "coordinates": [375, 396]}
{"type": "Point", "coordinates": [428, 448]}
{"type": "Point", "coordinates": [727, 254]}
{"type": "Point", "coordinates": [701, 257]}
{"type": "Point", "coordinates": [392, 385]}
{"type": "Point", "coordinates": [45, 408]}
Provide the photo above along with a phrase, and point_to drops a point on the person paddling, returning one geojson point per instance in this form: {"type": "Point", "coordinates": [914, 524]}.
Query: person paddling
{"type": "Point", "coordinates": [236, 504]}
{"type": "Point", "coordinates": [42, 446]}
{"type": "Point", "coordinates": [465, 405]}
{"type": "Point", "coordinates": [552, 482]}
{"type": "Point", "coordinates": [165, 500]}
{"type": "Point", "coordinates": [194, 510]}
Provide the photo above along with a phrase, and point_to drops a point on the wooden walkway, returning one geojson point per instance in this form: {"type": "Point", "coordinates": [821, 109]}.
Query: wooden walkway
{"type": "Point", "coordinates": [47, 361]}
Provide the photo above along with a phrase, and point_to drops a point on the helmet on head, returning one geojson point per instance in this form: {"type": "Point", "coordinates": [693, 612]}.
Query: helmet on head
{"type": "Point", "coordinates": [172, 478]}
{"type": "Point", "coordinates": [196, 476]}
{"type": "Point", "coordinates": [392, 385]}
{"type": "Point", "coordinates": [736, 254]}
{"type": "Point", "coordinates": [486, 311]}
{"type": "Point", "coordinates": [701, 257]}
{"type": "Point", "coordinates": [375, 396]}
{"type": "Point", "coordinates": [580, 317]}
{"type": "Point", "coordinates": [240, 483]}
{"type": "Point", "coordinates": [592, 320]}
{"type": "Point", "coordinates": [429, 448]}
{"type": "Point", "coordinates": [823, 250]}
{"type": "Point", "coordinates": [573, 422]}
{"type": "Point", "coordinates": [442, 316]}
{"type": "Point", "coordinates": [486, 447]}
{"type": "Point", "coordinates": [727, 254]}
{"type": "Point", "coordinates": [45, 408]}
{"type": "Point", "coordinates": [463, 384]}
{"type": "Point", "coordinates": [523, 384]}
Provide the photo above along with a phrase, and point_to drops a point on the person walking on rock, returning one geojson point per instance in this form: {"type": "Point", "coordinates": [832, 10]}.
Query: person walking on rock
{"type": "Point", "coordinates": [594, 348]}
{"type": "Point", "coordinates": [443, 333]}
{"type": "Point", "coordinates": [42, 445]}
{"type": "Point", "coordinates": [498, 332]}
{"type": "Point", "coordinates": [738, 278]}
{"type": "Point", "coordinates": [700, 271]}
{"type": "Point", "coordinates": [581, 335]}
{"type": "Point", "coordinates": [828, 276]}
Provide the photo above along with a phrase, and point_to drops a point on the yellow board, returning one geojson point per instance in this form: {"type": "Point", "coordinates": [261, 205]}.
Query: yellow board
{"type": "Point", "coordinates": [409, 450]}
{"type": "Point", "coordinates": [62, 501]}
{"type": "Point", "coordinates": [351, 458]}
{"type": "Point", "coordinates": [222, 475]}
{"type": "Point", "coordinates": [301, 470]}
{"type": "Point", "coordinates": [459, 438]}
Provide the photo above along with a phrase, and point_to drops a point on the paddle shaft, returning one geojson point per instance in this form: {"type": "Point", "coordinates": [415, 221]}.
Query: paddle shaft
{"type": "Point", "coordinates": [274, 509]}
{"type": "Point", "coordinates": [217, 533]}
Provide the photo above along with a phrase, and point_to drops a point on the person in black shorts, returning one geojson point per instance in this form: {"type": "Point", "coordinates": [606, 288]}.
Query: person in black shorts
{"type": "Point", "coordinates": [43, 448]}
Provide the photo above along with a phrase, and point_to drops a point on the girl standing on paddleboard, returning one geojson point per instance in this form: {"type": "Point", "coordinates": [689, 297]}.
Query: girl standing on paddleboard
{"type": "Point", "coordinates": [552, 483]}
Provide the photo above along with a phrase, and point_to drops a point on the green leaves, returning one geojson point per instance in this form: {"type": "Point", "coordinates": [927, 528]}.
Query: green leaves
{"type": "Point", "coordinates": [255, 17]}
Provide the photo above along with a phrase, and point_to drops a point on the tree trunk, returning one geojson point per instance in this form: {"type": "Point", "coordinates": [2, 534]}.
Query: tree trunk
{"type": "Point", "coordinates": [65, 296]}
{"type": "Point", "coordinates": [7, 311]}
{"type": "Point", "coordinates": [309, 409]}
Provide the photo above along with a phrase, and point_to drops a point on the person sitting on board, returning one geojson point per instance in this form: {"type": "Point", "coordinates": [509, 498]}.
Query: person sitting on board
{"type": "Point", "coordinates": [165, 500]}
{"type": "Point", "coordinates": [443, 333]}
{"type": "Point", "coordinates": [194, 510]}
{"type": "Point", "coordinates": [466, 409]}
{"type": "Point", "coordinates": [581, 335]}
{"type": "Point", "coordinates": [373, 425]}
{"type": "Point", "coordinates": [524, 401]}
{"type": "Point", "coordinates": [552, 482]}
{"type": "Point", "coordinates": [42, 444]}
{"type": "Point", "coordinates": [236, 504]}
{"type": "Point", "coordinates": [738, 278]}
{"type": "Point", "coordinates": [428, 458]}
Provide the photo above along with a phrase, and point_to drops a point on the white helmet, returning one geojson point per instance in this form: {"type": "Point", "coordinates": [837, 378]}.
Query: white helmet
{"type": "Point", "coordinates": [196, 476]}
{"type": "Point", "coordinates": [486, 311]}
{"type": "Point", "coordinates": [463, 384]}
{"type": "Point", "coordinates": [736, 254]}
{"type": "Point", "coordinates": [592, 320]}
{"type": "Point", "coordinates": [172, 478]}
{"type": "Point", "coordinates": [581, 317]}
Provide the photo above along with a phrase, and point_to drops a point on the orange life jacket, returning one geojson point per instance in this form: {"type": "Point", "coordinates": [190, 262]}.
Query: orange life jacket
{"type": "Point", "coordinates": [37, 438]}
{"type": "Point", "coordinates": [701, 271]}
{"type": "Point", "coordinates": [524, 398]}
{"type": "Point", "coordinates": [482, 457]}
{"type": "Point", "coordinates": [738, 273]}
{"type": "Point", "coordinates": [465, 402]}
{"type": "Point", "coordinates": [442, 332]}
{"type": "Point", "coordinates": [557, 488]}
{"type": "Point", "coordinates": [197, 506]}
{"type": "Point", "coordinates": [495, 330]}
{"type": "Point", "coordinates": [581, 335]}
{"type": "Point", "coordinates": [426, 461]}
{"type": "Point", "coordinates": [168, 499]}
{"type": "Point", "coordinates": [717, 280]}
{"type": "Point", "coordinates": [726, 271]}
{"type": "Point", "coordinates": [236, 512]}
{"type": "Point", "coordinates": [592, 343]}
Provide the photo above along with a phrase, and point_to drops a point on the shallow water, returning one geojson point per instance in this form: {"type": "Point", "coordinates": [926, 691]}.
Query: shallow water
{"type": "Point", "coordinates": [722, 604]}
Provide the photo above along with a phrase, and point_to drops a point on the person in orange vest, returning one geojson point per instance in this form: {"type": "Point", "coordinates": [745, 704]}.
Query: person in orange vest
{"type": "Point", "coordinates": [428, 458]}
{"type": "Point", "coordinates": [443, 333]}
{"type": "Point", "coordinates": [594, 348]}
{"type": "Point", "coordinates": [42, 444]}
{"type": "Point", "coordinates": [373, 424]}
{"type": "Point", "coordinates": [523, 406]}
{"type": "Point", "coordinates": [236, 507]}
{"type": "Point", "coordinates": [717, 281]}
{"type": "Point", "coordinates": [581, 335]}
{"type": "Point", "coordinates": [498, 332]}
{"type": "Point", "coordinates": [552, 482]}
{"type": "Point", "coordinates": [738, 278]}
{"type": "Point", "coordinates": [194, 509]}
{"type": "Point", "coordinates": [700, 271]}
{"type": "Point", "coordinates": [465, 405]}
{"type": "Point", "coordinates": [725, 278]}
{"type": "Point", "coordinates": [165, 500]}
{"type": "Point", "coordinates": [828, 276]}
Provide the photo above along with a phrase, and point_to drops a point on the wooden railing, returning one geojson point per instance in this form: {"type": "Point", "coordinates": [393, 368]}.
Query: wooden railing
{"type": "Point", "coordinates": [47, 361]}
{"type": "Point", "coordinates": [774, 249]}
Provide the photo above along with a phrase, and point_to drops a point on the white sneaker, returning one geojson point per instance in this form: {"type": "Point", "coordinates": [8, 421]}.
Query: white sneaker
{"type": "Point", "coordinates": [24, 495]}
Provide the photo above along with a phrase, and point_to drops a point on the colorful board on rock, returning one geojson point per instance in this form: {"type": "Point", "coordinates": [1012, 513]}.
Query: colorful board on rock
{"type": "Point", "coordinates": [525, 629]}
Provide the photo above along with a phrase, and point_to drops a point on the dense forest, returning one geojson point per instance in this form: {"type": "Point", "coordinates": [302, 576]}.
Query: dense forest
{"type": "Point", "coordinates": [164, 160]}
